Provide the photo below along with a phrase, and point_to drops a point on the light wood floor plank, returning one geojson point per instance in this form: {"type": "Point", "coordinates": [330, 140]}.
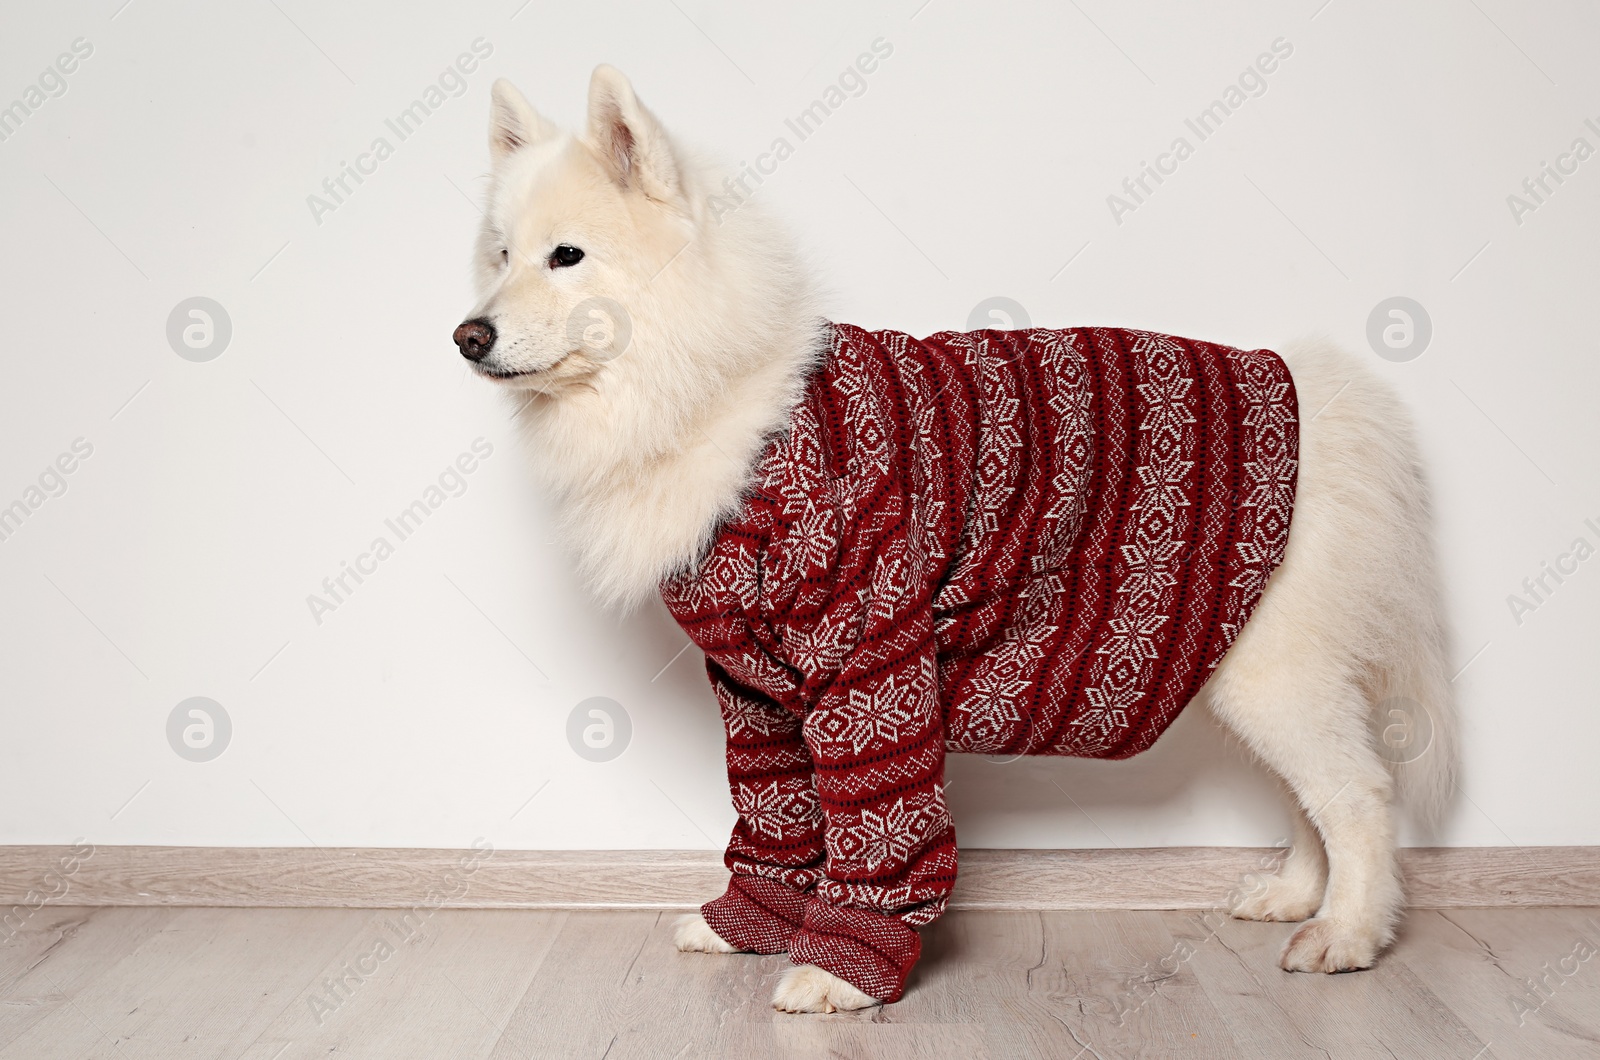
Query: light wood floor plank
{"type": "Point", "coordinates": [129, 984]}
{"type": "Point", "coordinates": [1005, 1001]}
{"type": "Point", "coordinates": [572, 1006]}
{"type": "Point", "coordinates": [449, 978]}
{"type": "Point", "coordinates": [1107, 972]}
{"type": "Point", "coordinates": [808, 1037]}
{"type": "Point", "coordinates": [56, 951]}
{"type": "Point", "coordinates": [1384, 1012]}
{"type": "Point", "coordinates": [1517, 977]}
{"type": "Point", "coordinates": [708, 1000]}
{"type": "Point", "coordinates": [208, 983]}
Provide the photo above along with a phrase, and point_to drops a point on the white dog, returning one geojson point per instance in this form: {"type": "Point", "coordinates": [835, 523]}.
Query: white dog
{"type": "Point", "coordinates": [651, 431]}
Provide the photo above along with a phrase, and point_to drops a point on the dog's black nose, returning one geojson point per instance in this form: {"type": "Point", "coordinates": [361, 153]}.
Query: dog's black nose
{"type": "Point", "coordinates": [476, 339]}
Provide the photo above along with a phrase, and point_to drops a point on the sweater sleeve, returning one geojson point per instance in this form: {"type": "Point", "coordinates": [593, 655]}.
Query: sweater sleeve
{"type": "Point", "coordinates": [776, 852]}
{"type": "Point", "coordinates": [876, 740]}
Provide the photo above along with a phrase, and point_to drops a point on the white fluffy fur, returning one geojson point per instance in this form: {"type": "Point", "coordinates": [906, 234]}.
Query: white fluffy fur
{"type": "Point", "coordinates": [1351, 619]}
{"type": "Point", "coordinates": [803, 988]}
{"type": "Point", "coordinates": [647, 450]}
{"type": "Point", "coordinates": [807, 988]}
{"type": "Point", "coordinates": [691, 934]}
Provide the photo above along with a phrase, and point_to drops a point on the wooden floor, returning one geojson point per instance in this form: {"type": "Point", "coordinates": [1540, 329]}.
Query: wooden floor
{"type": "Point", "coordinates": [276, 984]}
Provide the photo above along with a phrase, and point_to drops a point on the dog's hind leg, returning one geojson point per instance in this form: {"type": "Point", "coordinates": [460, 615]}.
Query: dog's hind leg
{"type": "Point", "coordinates": [1315, 735]}
{"type": "Point", "coordinates": [1294, 891]}
{"type": "Point", "coordinates": [1348, 624]}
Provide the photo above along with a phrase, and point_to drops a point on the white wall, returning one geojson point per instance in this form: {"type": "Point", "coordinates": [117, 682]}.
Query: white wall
{"type": "Point", "coordinates": [431, 705]}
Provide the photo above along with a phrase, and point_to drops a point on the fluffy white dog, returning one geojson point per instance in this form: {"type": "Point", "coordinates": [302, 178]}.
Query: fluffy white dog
{"type": "Point", "coordinates": [649, 428]}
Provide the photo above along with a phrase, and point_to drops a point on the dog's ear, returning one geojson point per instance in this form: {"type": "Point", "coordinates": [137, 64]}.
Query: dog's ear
{"type": "Point", "coordinates": [630, 142]}
{"type": "Point", "coordinates": [513, 123]}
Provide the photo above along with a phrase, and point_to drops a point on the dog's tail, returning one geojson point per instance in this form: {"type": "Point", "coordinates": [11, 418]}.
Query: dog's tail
{"type": "Point", "coordinates": [1372, 492]}
{"type": "Point", "coordinates": [1413, 715]}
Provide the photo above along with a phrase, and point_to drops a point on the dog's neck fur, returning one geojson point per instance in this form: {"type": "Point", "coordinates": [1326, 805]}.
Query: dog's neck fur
{"type": "Point", "coordinates": [650, 460]}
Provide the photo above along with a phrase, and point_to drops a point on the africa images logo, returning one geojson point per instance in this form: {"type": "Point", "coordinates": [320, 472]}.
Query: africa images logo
{"type": "Point", "coordinates": [1251, 84]}
{"type": "Point", "coordinates": [1548, 179]}
{"type": "Point", "coordinates": [50, 84]}
{"type": "Point", "coordinates": [451, 482]}
{"type": "Point", "coordinates": [452, 83]}
{"type": "Point", "coordinates": [850, 84]}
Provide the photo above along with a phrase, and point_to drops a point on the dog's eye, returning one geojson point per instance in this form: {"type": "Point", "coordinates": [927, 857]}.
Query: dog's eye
{"type": "Point", "coordinates": [505, 256]}
{"type": "Point", "coordinates": [565, 256]}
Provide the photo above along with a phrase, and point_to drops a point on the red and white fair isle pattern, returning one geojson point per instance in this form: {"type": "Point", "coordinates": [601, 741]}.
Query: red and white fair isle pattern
{"type": "Point", "coordinates": [1024, 542]}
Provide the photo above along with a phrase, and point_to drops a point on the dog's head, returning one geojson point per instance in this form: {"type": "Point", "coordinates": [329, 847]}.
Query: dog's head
{"type": "Point", "coordinates": [575, 231]}
{"type": "Point", "coordinates": [654, 323]}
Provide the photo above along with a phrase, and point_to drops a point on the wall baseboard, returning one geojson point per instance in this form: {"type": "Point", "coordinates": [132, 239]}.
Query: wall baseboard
{"type": "Point", "coordinates": [1153, 878]}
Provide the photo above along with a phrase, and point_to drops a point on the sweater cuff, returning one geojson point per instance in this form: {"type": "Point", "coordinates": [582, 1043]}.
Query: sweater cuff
{"type": "Point", "coordinates": [870, 951]}
{"type": "Point", "coordinates": [756, 914]}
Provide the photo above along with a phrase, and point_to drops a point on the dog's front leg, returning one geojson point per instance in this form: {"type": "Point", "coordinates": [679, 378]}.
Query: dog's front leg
{"type": "Point", "coordinates": [691, 934]}
{"type": "Point", "coordinates": [807, 988]}
{"type": "Point", "coordinates": [877, 738]}
{"type": "Point", "coordinates": [777, 841]}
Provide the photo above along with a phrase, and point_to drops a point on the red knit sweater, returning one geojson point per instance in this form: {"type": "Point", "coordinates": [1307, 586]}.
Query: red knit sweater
{"type": "Point", "coordinates": [1024, 542]}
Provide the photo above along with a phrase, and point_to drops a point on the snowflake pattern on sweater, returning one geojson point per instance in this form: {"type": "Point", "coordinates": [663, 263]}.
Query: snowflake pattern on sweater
{"type": "Point", "coordinates": [1008, 542]}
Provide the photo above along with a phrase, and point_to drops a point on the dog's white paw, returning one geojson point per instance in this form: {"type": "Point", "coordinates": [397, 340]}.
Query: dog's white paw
{"type": "Point", "coordinates": [1279, 897]}
{"type": "Point", "coordinates": [807, 988]}
{"type": "Point", "coordinates": [691, 934]}
{"type": "Point", "coordinates": [1326, 945]}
